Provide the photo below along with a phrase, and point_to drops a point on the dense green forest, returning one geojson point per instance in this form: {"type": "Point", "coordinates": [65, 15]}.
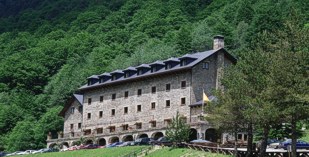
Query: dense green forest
{"type": "Point", "coordinates": [49, 48]}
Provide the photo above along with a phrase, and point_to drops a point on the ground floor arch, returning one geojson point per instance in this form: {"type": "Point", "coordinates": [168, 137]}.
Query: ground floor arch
{"type": "Point", "coordinates": [53, 145]}
{"type": "Point", "coordinates": [142, 136]}
{"type": "Point", "coordinates": [193, 134]}
{"type": "Point", "coordinates": [157, 135]}
{"type": "Point", "coordinates": [127, 138]}
{"type": "Point", "coordinates": [114, 139]}
{"type": "Point", "coordinates": [211, 135]}
{"type": "Point", "coordinates": [65, 145]}
{"type": "Point", "coordinates": [102, 142]}
{"type": "Point", "coordinates": [89, 141]}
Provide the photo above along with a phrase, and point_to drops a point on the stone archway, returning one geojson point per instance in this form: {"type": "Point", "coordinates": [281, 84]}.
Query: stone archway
{"type": "Point", "coordinates": [127, 138]}
{"type": "Point", "coordinates": [211, 135]}
{"type": "Point", "coordinates": [142, 136]}
{"type": "Point", "coordinates": [193, 134]}
{"type": "Point", "coordinates": [88, 142]}
{"type": "Point", "coordinates": [65, 145]}
{"type": "Point", "coordinates": [102, 142]}
{"type": "Point", "coordinates": [114, 139]}
{"type": "Point", "coordinates": [157, 135]}
{"type": "Point", "coordinates": [53, 145]}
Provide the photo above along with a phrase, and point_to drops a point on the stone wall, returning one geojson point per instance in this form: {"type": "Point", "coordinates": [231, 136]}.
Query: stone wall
{"type": "Point", "coordinates": [72, 118]}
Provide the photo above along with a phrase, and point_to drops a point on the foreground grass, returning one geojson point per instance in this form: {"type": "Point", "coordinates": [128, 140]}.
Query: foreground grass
{"type": "Point", "coordinates": [102, 152]}
{"type": "Point", "coordinates": [183, 152]}
{"type": "Point", "coordinates": [121, 151]}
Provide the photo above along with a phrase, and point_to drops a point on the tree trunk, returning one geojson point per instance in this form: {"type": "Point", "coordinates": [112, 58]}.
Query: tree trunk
{"type": "Point", "coordinates": [250, 141]}
{"type": "Point", "coordinates": [294, 136]}
{"type": "Point", "coordinates": [264, 141]}
{"type": "Point", "coordinates": [235, 144]}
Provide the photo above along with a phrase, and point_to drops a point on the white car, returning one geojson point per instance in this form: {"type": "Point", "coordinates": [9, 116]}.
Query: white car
{"type": "Point", "coordinates": [25, 152]}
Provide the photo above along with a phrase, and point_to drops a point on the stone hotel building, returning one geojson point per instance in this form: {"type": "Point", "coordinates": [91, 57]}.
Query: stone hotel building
{"type": "Point", "coordinates": [141, 101]}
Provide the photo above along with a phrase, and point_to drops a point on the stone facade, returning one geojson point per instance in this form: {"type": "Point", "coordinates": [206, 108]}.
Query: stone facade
{"type": "Point", "coordinates": [111, 112]}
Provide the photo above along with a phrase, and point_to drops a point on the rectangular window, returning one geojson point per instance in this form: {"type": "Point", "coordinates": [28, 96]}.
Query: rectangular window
{"type": "Point", "coordinates": [139, 92]}
{"type": "Point", "coordinates": [89, 101]}
{"type": "Point", "coordinates": [101, 98]}
{"type": "Point", "coordinates": [72, 110]}
{"type": "Point", "coordinates": [87, 132]}
{"type": "Point", "coordinates": [99, 130]}
{"type": "Point", "coordinates": [72, 126]}
{"type": "Point", "coordinates": [79, 125]}
{"type": "Point", "coordinates": [153, 124]}
{"type": "Point", "coordinates": [183, 84]}
{"type": "Point", "coordinates": [168, 66]}
{"type": "Point", "coordinates": [89, 115]}
{"type": "Point", "coordinates": [206, 65]}
{"type": "Point", "coordinates": [168, 103]}
{"type": "Point", "coordinates": [167, 121]}
{"type": "Point", "coordinates": [139, 108]}
{"type": "Point", "coordinates": [114, 96]}
{"type": "Point", "coordinates": [153, 105]}
{"type": "Point", "coordinates": [113, 112]}
{"type": "Point", "coordinates": [126, 94]}
{"type": "Point", "coordinates": [168, 87]}
{"type": "Point", "coordinates": [125, 110]}
{"type": "Point", "coordinates": [183, 101]}
{"type": "Point", "coordinates": [101, 114]}
{"type": "Point", "coordinates": [80, 108]}
{"type": "Point", "coordinates": [138, 125]}
{"type": "Point", "coordinates": [112, 129]}
{"type": "Point", "coordinates": [245, 137]}
{"type": "Point", "coordinates": [153, 89]}
{"type": "Point", "coordinates": [239, 136]}
{"type": "Point", "coordinates": [125, 127]}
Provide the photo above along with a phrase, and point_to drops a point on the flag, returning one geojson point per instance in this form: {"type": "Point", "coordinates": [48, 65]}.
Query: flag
{"type": "Point", "coordinates": [205, 98]}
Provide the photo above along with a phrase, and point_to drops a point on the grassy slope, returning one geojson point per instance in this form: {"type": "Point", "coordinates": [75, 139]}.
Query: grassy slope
{"type": "Point", "coordinates": [170, 152]}
{"type": "Point", "coordinates": [106, 152]}
{"type": "Point", "coordinates": [115, 152]}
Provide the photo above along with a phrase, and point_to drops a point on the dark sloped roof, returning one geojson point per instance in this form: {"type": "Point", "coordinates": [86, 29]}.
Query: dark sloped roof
{"type": "Point", "coordinates": [117, 72]}
{"type": "Point", "coordinates": [187, 56]}
{"type": "Point", "coordinates": [157, 63]}
{"type": "Point", "coordinates": [172, 60]}
{"type": "Point", "coordinates": [130, 69]}
{"type": "Point", "coordinates": [105, 74]}
{"type": "Point", "coordinates": [93, 77]}
{"type": "Point", "coordinates": [199, 57]}
{"type": "Point", "coordinates": [143, 66]}
{"type": "Point", "coordinates": [78, 97]}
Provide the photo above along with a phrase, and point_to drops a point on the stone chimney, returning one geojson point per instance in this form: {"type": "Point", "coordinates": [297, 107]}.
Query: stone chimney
{"type": "Point", "coordinates": [218, 42]}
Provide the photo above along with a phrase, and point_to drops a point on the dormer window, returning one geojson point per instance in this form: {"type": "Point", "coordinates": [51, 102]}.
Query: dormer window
{"type": "Point", "coordinates": [127, 75]}
{"type": "Point", "coordinates": [114, 77]}
{"type": "Point", "coordinates": [139, 72]}
{"type": "Point", "coordinates": [154, 69]}
{"type": "Point", "coordinates": [168, 66]}
{"type": "Point", "coordinates": [183, 62]}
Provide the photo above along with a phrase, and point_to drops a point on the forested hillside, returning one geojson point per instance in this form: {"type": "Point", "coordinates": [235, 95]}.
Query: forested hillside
{"type": "Point", "coordinates": [49, 48]}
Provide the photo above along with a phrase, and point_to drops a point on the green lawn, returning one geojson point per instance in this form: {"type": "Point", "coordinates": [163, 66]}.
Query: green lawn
{"type": "Point", "coordinates": [101, 152]}
{"type": "Point", "coordinates": [177, 152]}
{"type": "Point", "coordinates": [121, 151]}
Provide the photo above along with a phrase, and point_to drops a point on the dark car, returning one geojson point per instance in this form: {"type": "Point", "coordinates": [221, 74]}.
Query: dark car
{"type": "Point", "coordinates": [2, 154]}
{"type": "Point", "coordinates": [299, 144]}
{"type": "Point", "coordinates": [162, 141]}
{"type": "Point", "coordinates": [114, 144]}
{"type": "Point", "coordinates": [91, 146]}
{"type": "Point", "coordinates": [142, 141]}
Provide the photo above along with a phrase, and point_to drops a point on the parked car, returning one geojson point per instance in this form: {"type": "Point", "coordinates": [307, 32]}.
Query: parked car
{"type": "Point", "coordinates": [271, 143]}
{"type": "Point", "coordinates": [91, 146]}
{"type": "Point", "coordinates": [299, 144]}
{"type": "Point", "coordinates": [128, 143]}
{"type": "Point", "coordinates": [142, 141]}
{"type": "Point", "coordinates": [2, 154]}
{"type": "Point", "coordinates": [14, 153]}
{"type": "Point", "coordinates": [114, 144]}
{"type": "Point", "coordinates": [162, 141]}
